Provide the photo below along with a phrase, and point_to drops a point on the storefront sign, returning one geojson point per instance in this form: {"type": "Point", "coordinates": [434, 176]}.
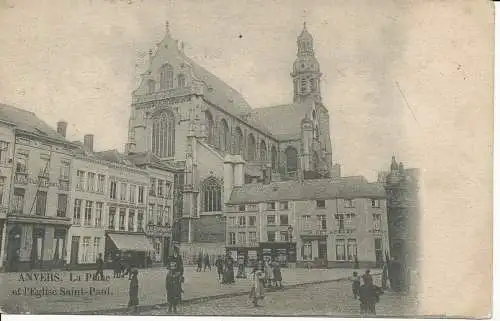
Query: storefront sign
{"type": "Point", "coordinates": [155, 230]}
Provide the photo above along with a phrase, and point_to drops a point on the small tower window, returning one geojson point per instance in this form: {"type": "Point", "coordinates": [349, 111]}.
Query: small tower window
{"type": "Point", "coordinates": [303, 86]}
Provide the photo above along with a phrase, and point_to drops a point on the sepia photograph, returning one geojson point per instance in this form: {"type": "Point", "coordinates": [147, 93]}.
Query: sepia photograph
{"type": "Point", "coordinates": [244, 158]}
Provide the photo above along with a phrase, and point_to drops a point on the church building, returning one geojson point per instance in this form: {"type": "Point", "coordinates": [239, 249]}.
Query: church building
{"type": "Point", "coordinates": [192, 121]}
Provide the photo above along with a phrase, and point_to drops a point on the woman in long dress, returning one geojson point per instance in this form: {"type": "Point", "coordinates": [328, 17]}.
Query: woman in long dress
{"type": "Point", "coordinates": [257, 290]}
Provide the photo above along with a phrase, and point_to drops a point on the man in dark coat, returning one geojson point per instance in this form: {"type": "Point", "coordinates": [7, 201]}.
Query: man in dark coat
{"type": "Point", "coordinates": [100, 267]}
{"type": "Point", "coordinates": [173, 287]}
{"type": "Point", "coordinates": [133, 290]}
{"type": "Point", "coordinates": [369, 295]}
{"type": "Point", "coordinates": [229, 266]}
{"type": "Point", "coordinates": [219, 263]}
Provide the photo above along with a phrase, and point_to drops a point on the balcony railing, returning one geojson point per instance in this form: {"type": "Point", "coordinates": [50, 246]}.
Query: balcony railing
{"type": "Point", "coordinates": [21, 178]}
{"type": "Point", "coordinates": [63, 185]}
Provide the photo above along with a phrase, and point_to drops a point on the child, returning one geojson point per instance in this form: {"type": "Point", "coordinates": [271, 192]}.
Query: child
{"type": "Point", "coordinates": [173, 287]}
{"type": "Point", "coordinates": [356, 284]}
{"type": "Point", "coordinates": [134, 290]}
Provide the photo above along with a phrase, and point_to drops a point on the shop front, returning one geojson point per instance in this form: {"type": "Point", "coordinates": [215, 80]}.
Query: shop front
{"type": "Point", "coordinates": [281, 252]}
{"type": "Point", "coordinates": [161, 239]}
{"type": "Point", "coordinates": [248, 255]}
{"type": "Point", "coordinates": [35, 243]}
{"type": "Point", "coordinates": [129, 249]}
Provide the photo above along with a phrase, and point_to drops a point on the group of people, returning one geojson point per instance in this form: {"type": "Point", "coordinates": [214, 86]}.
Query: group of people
{"type": "Point", "coordinates": [203, 261]}
{"type": "Point", "coordinates": [368, 293]}
{"type": "Point", "coordinates": [225, 269]}
{"type": "Point", "coordinates": [173, 284]}
{"type": "Point", "coordinates": [266, 274]}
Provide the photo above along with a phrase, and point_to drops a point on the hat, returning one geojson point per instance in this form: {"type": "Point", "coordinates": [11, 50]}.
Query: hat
{"type": "Point", "coordinates": [134, 271]}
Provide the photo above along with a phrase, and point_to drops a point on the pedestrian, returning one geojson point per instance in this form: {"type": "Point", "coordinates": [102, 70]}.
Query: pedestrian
{"type": "Point", "coordinates": [369, 295]}
{"type": "Point", "coordinates": [241, 268]}
{"type": "Point", "coordinates": [229, 269]}
{"type": "Point", "coordinates": [277, 275]}
{"type": "Point", "coordinates": [173, 285]}
{"type": "Point", "coordinates": [206, 263]}
{"type": "Point", "coordinates": [368, 277]}
{"type": "Point", "coordinates": [100, 268]}
{"type": "Point", "coordinates": [116, 266]}
{"type": "Point", "coordinates": [268, 273]}
{"type": "Point", "coordinates": [356, 284]}
{"type": "Point", "coordinates": [219, 264]}
{"type": "Point", "coordinates": [257, 289]}
{"type": "Point", "coordinates": [356, 262]}
{"type": "Point", "coordinates": [134, 290]}
{"type": "Point", "coordinates": [385, 275]}
{"type": "Point", "coordinates": [199, 263]}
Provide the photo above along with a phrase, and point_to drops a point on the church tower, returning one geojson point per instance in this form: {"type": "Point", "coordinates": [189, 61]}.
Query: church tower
{"type": "Point", "coordinates": [306, 75]}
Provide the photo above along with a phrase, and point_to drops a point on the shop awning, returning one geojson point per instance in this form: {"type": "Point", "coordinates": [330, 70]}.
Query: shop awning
{"type": "Point", "coordinates": [131, 242]}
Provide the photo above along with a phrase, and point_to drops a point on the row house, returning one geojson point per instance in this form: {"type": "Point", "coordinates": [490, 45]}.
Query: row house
{"type": "Point", "coordinates": [7, 139]}
{"type": "Point", "coordinates": [36, 232]}
{"type": "Point", "coordinates": [63, 204]}
{"type": "Point", "coordinates": [321, 222]}
{"type": "Point", "coordinates": [160, 213]}
{"type": "Point", "coordinates": [121, 205]}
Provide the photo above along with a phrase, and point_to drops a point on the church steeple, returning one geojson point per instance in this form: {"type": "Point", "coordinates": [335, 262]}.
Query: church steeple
{"type": "Point", "coordinates": [306, 74]}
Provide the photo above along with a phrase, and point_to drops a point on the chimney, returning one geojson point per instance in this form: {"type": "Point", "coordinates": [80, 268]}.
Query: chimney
{"type": "Point", "coordinates": [88, 143]}
{"type": "Point", "coordinates": [61, 128]}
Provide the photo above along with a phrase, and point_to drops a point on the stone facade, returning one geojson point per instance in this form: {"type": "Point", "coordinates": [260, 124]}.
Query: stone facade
{"type": "Point", "coordinates": [185, 115]}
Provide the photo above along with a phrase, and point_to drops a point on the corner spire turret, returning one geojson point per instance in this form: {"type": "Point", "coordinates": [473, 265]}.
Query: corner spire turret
{"type": "Point", "coordinates": [167, 28]}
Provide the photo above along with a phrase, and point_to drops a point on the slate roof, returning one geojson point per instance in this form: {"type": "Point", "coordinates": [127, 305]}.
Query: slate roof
{"type": "Point", "coordinates": [282, 121]}
{"type": "Point", "coordinates": [322, 189]}
{"type": "Point", "coordinates": [219, 93]}
{"type": "Point", "coordinates": [28, 122]}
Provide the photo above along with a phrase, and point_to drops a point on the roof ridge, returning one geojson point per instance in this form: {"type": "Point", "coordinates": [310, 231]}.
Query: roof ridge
{"type": "Point", "coordinates": [18, 109]}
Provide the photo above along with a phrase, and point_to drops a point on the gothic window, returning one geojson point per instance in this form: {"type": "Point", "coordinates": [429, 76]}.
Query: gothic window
{"type": "Point", "coordinates": [314, 114]}
{"type": "Point", "coordinates": [211, 195]}
{"type": "Point", "coordinates": [291, 160]}
{"type": "Point", "coordinates": [274, 158]}
{"type": "Point", "coordinates": [163, 138]}
{"type": "Point", "coordinates": [238, 142]}
{"type": "Point", "coordinates": [181, 81]}
{"type": "Point", "coordinates": [263, 151]}
{"type": "Point", "coordinates": [316, 132]}
{"type": "Point", "coordinates": [210, 127]}
{"type": "Point", "coordinates": [151, 86]}
{"type": "Point", "coordinates": [224, 136]}
{"type": "Point", "coordinates": [251, 147]}
{"type": "Point", "coordinates": [166, 77]}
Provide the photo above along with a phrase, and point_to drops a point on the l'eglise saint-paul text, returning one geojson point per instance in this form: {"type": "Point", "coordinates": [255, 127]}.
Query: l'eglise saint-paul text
{"type": "Point", "coordinates": [39, 292]}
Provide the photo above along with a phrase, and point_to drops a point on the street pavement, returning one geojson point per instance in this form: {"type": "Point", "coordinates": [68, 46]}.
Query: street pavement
{"type": "Point", "coordinates": [326, 299]}
{"type": "Point", "coordinates": [198, 286]}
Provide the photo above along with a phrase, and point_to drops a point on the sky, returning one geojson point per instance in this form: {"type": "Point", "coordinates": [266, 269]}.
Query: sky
{"type": "Point", "coordinates": [408, 78]}
{"type": "Point", "coordinates": [79, 60]}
